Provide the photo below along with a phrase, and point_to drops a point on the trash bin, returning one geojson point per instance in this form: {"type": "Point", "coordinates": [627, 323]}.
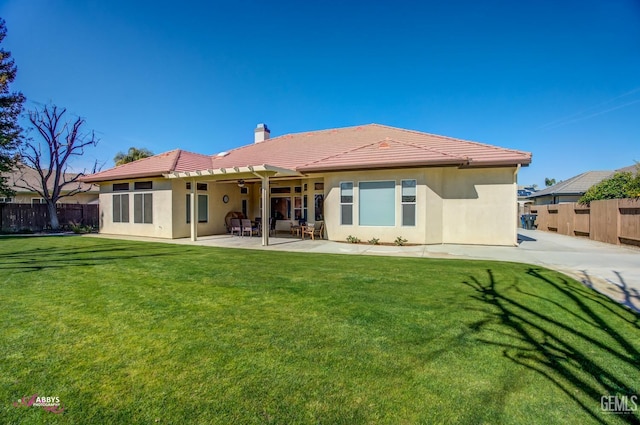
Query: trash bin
{"type": "Point", "coordinates": [529, 221]}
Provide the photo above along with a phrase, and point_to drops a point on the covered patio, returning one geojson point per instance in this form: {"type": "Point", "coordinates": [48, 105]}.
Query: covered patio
{"type": "Point", "coordinates": [262, 178]}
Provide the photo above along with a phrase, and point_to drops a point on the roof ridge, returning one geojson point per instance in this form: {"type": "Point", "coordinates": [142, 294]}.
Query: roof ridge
{"type": "Point", "coordinates": [439, 136]}
{"type": "Point", "coordinates": [175, 160]}
{"type": "Point", "coordinates": [343, 152]}
{"type": "Point", "coordinates": [464, 158]}
{"type": "Point", "coordinates": [366, 145]}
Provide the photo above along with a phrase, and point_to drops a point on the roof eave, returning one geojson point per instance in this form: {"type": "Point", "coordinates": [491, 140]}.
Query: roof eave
{"type": "Point", "coordinates": [96, 178]}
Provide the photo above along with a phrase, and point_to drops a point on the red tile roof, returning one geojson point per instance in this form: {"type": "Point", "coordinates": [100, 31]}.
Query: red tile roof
{"type": "Point", "coordinates": [363, 147]}
{"type": "Point", "coordinates": [154, 166]}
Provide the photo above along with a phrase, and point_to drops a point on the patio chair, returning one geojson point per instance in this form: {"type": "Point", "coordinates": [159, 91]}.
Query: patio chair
{"type": "Point", "coordinates": [297, 228]}
{"type": "Point", "coordinates": [236, 226]}
{"type": "Point", "coordinates": [247, 227]}
{"type": "Point", "coordinates": [313, 229]}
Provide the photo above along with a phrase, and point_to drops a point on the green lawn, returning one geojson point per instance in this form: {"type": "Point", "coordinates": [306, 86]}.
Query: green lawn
{"type": "Point", "coordinates": [126, 332]}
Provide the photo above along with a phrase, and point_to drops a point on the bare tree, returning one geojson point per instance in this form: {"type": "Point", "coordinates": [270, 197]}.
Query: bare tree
{"type": "Point", "coordinates": [62, 142]}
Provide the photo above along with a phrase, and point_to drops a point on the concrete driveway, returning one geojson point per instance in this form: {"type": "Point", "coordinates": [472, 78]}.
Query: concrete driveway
{"type": "Point", "coordinates": [610, 269]}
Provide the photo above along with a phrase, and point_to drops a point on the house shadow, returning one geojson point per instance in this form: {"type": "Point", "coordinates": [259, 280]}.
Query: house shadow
{"type": "Point", "coordinates": [523, 238]}
{"type": "Point", "coordinates": [580, 341]}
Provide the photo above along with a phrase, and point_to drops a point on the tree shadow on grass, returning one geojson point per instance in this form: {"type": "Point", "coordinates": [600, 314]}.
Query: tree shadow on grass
{"type": "Point", "coordinates": [579, 340]}
{"type": "Point", "coordinates": [37, 259]}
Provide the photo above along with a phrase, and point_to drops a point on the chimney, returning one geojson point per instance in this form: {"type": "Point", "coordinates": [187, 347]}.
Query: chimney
{"type": "Point", "coordinates": [261, 133]}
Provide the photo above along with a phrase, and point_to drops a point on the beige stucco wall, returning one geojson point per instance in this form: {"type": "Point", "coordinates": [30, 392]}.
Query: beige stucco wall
{"type": "Point", "coordinates": [217, 208]}
{"type": "Point", "coordinates": [465, 206]}
{"type": "Point", "coordinates": [162, 216]}
{"type": "Point", "coordinates": [479, 206]}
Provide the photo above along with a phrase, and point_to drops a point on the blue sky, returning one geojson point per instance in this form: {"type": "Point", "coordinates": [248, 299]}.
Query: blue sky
{"type": "Point", "coordinates": [558, 78]}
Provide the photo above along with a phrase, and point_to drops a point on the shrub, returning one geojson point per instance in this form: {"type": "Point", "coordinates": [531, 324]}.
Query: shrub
{"type": "Point", "coordinates": [80, 228]}
{"type": "Point", "coordinates": [352, 239]}
{"type": "Point", "coordinates": [374, 241]}
{"type": "Point", "coordinates": [400, 241]}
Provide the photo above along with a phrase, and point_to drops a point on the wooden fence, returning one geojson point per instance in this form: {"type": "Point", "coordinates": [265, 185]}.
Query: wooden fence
{"type": "Point", "coordinates": [615, 221]}
{"type": "Point", "coordinates": [35, 218]}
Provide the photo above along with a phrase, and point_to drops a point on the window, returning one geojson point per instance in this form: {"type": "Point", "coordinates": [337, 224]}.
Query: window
{"type": "Point", "coordinates": [346, 203]}
{"type": "Point", "coordinates": [408, 202]}
{"type": "Point", "coordinates": [297, 189]}
{"type": "Point", "coordinates": [318, 186]}
{"type": "Point", "coordinates": [143, 186]}
{"type": "Point", "coordinates": [5, 200]}
{"type": "Point", "coordinates": [117, 187]}
{"type": "Point", "coordinates": [280, 190]}
{"type": "Point", "coordinates": [35, 201]}
{"type": "Point", "coordinates": [297, 208]}
{"type": "Point", "coordinates": [281, 208]}
{"type": "Point", "coordinates": [244, 190]}
{"type": "Point", "coordinates": [203, 208]}
{"type": "Point", "coordinates": [245, 208]}
{"type": "Point", "coordinates": [121, 208]}
{"type": "Point", "coordinates": [377, 203]}
{"type": "Point", "coordinates": [143, 208]}
{"type": "Point", "coordinates": [199, 186]}
{"type": "Point", "coordinates": [319, 206]}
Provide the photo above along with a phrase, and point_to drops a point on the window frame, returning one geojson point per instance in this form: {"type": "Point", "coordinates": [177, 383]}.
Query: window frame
{"type": "Point", "coordinates": [122, 209]}
{"type": "Point", "coordinates": [344, 205]}
{"type": "Point", "coordinates": [143, 185]}
{"type": "Point", "coordinates": [360, 204]}
{"type": "Point", "coordinates": [414, 202]}
{"type": "Point", "coordinates": [142, 219]}
{"type": "Point", "coordinates": [200, 202]}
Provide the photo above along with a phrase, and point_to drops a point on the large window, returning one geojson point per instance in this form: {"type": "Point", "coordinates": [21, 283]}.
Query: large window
{"type": "Point", "coordinates": [203, 208]}
{"type": "Point", "coordinates": [121, 208]}
{"type": "Point", "coordinates": [143, 208]}
{"type": "Point", "coordinates": [377, 203]}
{"type": "Point", "coordinates": [281, 208]}
{"type": "Point", "coordinates": [346, 203]}
{"type": "Point", "coordinates": [408, 202]}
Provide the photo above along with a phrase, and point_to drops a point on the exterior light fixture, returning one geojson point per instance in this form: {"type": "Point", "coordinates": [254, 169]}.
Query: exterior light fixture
{"type": "Point", "coordinates": [240, 183]}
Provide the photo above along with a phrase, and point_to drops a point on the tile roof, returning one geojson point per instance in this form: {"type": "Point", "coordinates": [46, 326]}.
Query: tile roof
{"type": "Point", "coordinates": [154, 166]}
{"type": "Point", "coordinates": [361, 147]}
{"type": "Point", "coordinates": [576, 185]}
{"type": "Point", "coordinates": [27, 176]}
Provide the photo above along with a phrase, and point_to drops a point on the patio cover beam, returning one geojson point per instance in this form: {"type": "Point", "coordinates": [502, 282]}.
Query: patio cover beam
{"type": "Point", "coordinates": [226, 173]}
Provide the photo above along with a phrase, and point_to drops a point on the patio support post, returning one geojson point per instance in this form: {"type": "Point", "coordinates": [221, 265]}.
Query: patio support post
{"type": "Point", "coordinates": [266, 210]}
{"type": "Point", "coordinates": [193, 200]}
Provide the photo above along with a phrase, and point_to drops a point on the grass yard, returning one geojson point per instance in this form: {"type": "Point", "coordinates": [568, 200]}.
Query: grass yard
{"type": "Point", "coordinates": [130, 332]}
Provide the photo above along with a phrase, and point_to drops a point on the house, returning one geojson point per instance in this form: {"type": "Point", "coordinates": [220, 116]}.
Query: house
{"type": "Point", "coordinates": [570, 190]}
{"type": "Point", "coordinates": [24, 176]}
{"type": "Point", "coordinates": [369, 181]}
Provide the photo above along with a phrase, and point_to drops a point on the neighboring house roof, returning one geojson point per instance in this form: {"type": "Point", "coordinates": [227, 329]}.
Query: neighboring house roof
{"type": "Point", "coordinates": [27, 176]}
{"type": "Point", "coordinates": [577, 185]}
{"type": "Point", "coordinates": [370, 146]}
{"type": "Point", "coordinates": [630, 169]}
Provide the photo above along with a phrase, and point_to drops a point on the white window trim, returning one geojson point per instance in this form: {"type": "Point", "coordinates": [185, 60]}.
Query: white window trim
{"type": "Point", "coordinates": [415, 202]}
{"type": "Point", "coordinates": [352, 203]}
